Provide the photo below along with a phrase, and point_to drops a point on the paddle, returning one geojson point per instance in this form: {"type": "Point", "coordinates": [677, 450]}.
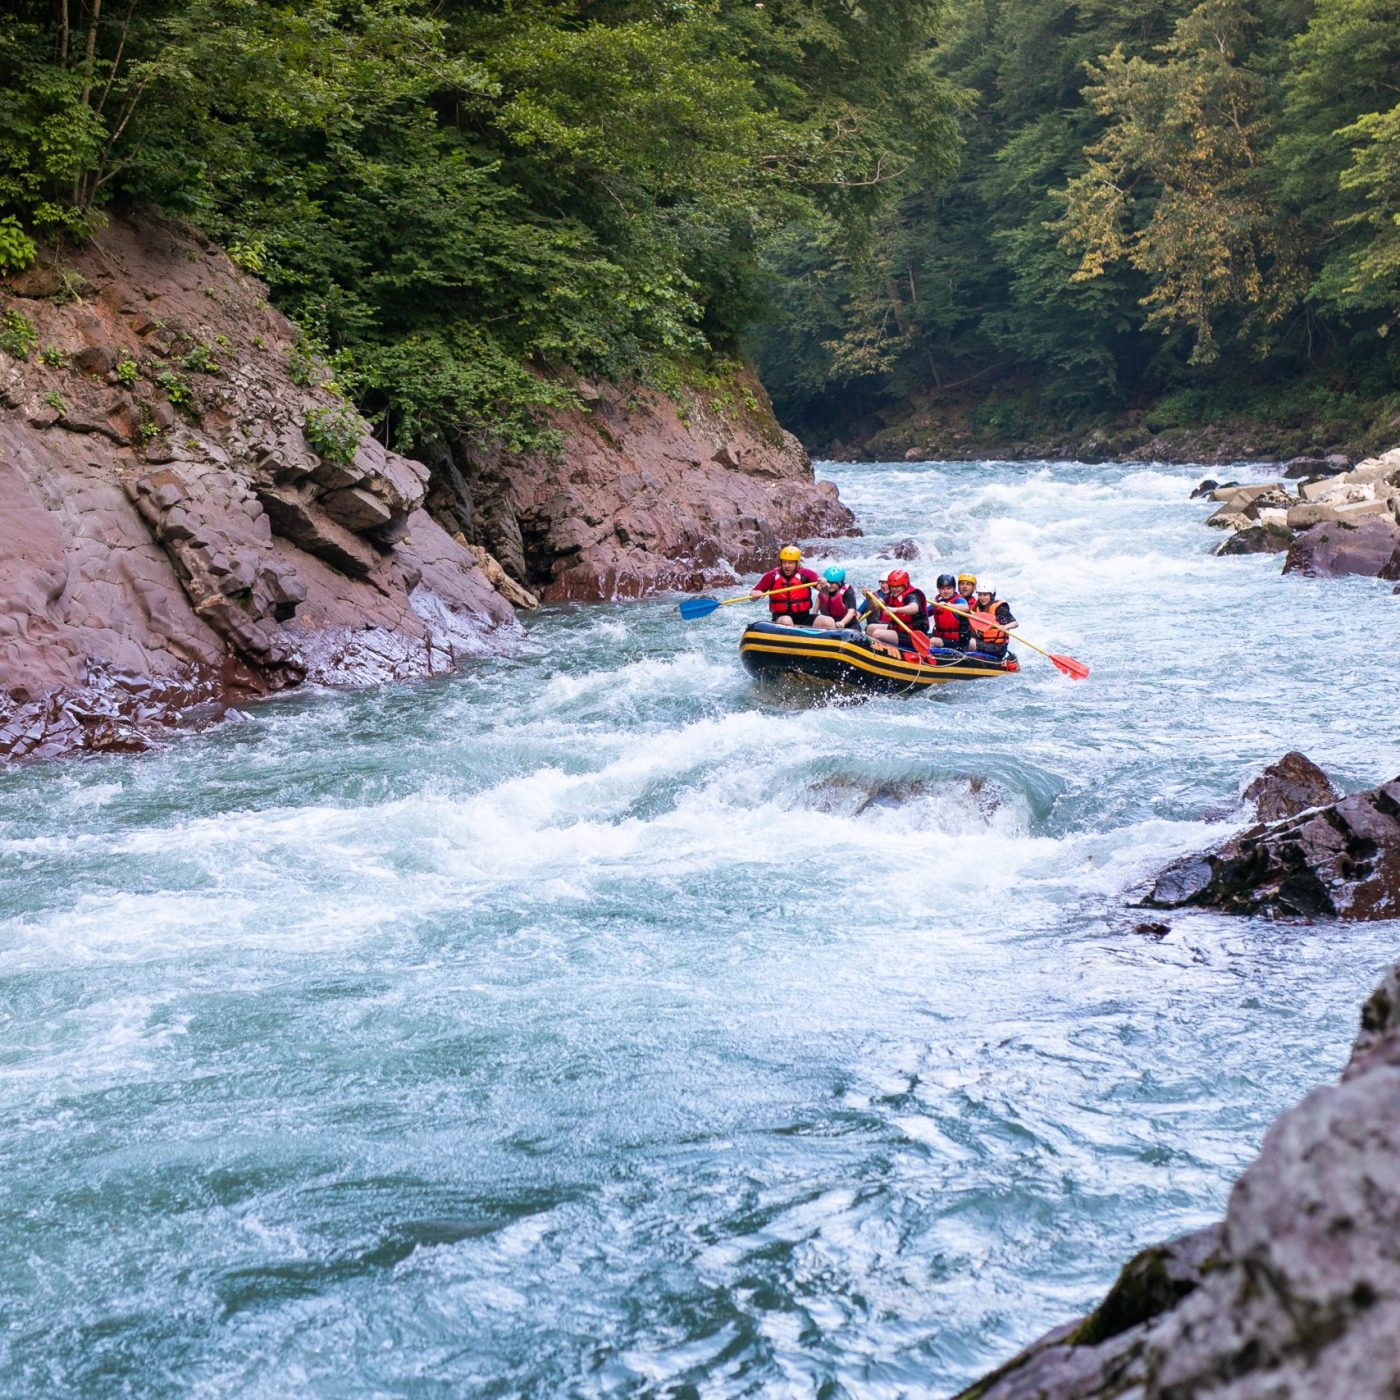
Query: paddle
{"type": "Point", "coordinates": [921, 643]}
{"type": "Point", "coordinates": [981, 622]}
{"type": "Point", "coordinates": [691, 608]}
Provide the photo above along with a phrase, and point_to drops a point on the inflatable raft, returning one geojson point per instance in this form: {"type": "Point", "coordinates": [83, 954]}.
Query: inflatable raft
{"type": "Point", "coordinates": [768, 649]}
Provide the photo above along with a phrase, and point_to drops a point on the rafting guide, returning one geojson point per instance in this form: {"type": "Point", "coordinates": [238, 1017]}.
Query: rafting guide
{"type": "Point", "coordinates": [895, 638]}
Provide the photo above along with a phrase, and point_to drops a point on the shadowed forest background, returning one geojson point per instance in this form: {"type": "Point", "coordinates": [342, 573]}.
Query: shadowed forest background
{"type": "Point", "coordinates": [1021, 217]}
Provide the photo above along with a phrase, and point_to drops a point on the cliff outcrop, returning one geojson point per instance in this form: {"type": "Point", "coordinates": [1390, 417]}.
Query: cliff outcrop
{"type": "Point", "coordinates": [1296, 1293]}
{"type": "Point", "coordinates": [185, 522]}
{"type": "Point", "coordinates": [192, 515]}
{"type": "Point", "coordinates": [651, 493]}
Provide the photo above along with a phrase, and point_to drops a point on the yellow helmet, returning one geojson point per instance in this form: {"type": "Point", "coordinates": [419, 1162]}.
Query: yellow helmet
{"type": "Point", "coordinates": [969, 579]}
{"type": "Point", "coordinates": [790, 551]}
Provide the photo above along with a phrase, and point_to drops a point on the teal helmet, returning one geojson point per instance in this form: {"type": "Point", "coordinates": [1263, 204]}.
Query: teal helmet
{"type": "Point", "coordinates": [834, 575]}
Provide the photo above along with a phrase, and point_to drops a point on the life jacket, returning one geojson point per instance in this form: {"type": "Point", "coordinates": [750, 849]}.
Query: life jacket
{"type": "Point", "coordinates": [917, 623]}
{"type": "Point", "coordinates": [836, 605]}
{"type": "Point", "coordinates": [994, 636]}
{"type": "Point", "coordinates": [950, 627]}
{"type": "Point", "coordinates": [798, 601]}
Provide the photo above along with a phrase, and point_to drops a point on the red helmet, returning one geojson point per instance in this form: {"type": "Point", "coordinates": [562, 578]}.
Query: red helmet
{"type": "Point", "coordinates": [898, 578]}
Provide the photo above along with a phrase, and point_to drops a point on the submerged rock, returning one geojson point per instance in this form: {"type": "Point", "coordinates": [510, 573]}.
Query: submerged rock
{"type": "Point", "coordinates": [1296, 1293]}
{"type": "Point", "coordinates": [1341, 860]}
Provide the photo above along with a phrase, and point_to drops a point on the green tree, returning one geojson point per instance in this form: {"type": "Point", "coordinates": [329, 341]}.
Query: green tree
{"type": "Point", "coordinates": [1176, 187]}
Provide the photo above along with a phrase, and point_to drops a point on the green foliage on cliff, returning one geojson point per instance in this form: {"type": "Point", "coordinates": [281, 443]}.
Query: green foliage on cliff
{"type": "Point", "coordinates": [463, 203]}
{"type": "Point", "coordinates": [1149, 200]}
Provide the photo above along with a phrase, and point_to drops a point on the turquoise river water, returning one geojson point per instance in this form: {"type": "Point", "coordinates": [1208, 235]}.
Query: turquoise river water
{"type": "Point", "coordinates": [578, 1027]}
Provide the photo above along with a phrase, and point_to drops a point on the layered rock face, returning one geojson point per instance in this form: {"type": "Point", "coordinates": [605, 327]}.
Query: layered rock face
{"type": "Point", "coordinates": [1296, 1294]}
{"type": "Point", "coordinates": [192, 515]}
{"type": "Point", "coordinates": [170, 534]}
{"type": "Point", "coordinates": [649, 495]}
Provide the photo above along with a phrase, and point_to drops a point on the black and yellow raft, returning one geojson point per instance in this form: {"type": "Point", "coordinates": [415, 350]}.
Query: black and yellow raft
{"type": "Point", "coordinates": [768, 649]}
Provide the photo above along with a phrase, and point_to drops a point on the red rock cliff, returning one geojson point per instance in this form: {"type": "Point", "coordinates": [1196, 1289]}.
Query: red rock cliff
{"type": "Point", "coordinates": [171, 536]}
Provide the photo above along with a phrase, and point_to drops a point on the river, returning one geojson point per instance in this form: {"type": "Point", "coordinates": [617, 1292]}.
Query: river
{"type": "Point", "coordinates": [577, 1026]}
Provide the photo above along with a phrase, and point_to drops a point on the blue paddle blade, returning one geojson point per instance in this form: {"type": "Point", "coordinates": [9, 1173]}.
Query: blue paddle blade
{"type": "Point", "coordinates": [691, 608]}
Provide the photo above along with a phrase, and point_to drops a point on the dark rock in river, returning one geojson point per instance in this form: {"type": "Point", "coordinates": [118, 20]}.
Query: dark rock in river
{"type": "Point", "coordinates": [1370, 547]}
{"type": "Point", "coordinates": [1304, 468]}
{"type": "Point", "coordinates": [1292, 785]}
{"type": "Point", "coordinates": [900, 549]}
{"type": "Point", "coordinates": [1340, 861]}
{"type": "Point", "coordinates": [1258, 539]}
{"type": "Point", "coordinates": [1296, 1294]}
{"type": "Point", "coordinates": [1205, 488]}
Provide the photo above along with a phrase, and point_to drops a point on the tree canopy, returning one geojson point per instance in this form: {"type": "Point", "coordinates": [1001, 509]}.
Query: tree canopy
{"type": "Point", "coordinates": [462, 204]}
{"type": "Point", "coordinates": [1148, 199]}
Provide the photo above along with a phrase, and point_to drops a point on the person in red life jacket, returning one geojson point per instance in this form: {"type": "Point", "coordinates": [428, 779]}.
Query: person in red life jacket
{"type": "Point", "coordinates": [898, 596]}
{"type": "Point", "coordinates": [837, 605]}
{"type": "Point", "coordinates": [952, 629]}
{"type": "Point", "coordinates": [996, 640]}
{"type": "Point", "coordinates": [792, 607]}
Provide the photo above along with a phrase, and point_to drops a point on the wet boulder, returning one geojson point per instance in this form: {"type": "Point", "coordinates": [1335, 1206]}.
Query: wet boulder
{"type": "Point", "coordinates": [1258, 539]}
{"type": "Point", "coordinates": [1290, 786]}
{"type": "Point", "coordinates": [1296, 1293]}
{"type": "Point", "coordinates": [1370, 547]}
{"type": "Point", "coordinates": [1340, 860]}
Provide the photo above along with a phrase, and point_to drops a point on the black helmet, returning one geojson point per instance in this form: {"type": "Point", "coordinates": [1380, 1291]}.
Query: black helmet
{"type": "Point", "coordinates": [947, 581]}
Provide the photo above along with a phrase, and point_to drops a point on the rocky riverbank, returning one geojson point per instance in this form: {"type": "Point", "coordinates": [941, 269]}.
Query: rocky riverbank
{"type": "Point", "coordinates": [1297, 1291]}
{"type": "Point", "coordinates": [1329, 519]}
{"type": "Point", "coordinates": [195, 517]}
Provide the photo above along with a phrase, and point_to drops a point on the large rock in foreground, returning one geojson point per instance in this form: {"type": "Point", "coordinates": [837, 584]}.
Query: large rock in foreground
{"type": "Point", "coordinates": [1296, 1295]}
{"type": "Point", "coordinates": [1341, 860]}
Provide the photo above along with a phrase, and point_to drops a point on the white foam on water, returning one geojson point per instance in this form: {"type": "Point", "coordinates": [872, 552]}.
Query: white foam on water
{"type": "Point", "coordinates": [603, 1020]}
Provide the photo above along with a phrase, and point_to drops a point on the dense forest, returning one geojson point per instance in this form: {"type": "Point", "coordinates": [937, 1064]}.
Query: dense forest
{"type": "Point", "coordinates": [1035, 212]}
{"type": "Point", "coordinates": [1192, 209]}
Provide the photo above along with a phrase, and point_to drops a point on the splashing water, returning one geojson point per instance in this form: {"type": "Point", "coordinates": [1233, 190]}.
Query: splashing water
{"type": "Point", "coordinates": [596, 1023]}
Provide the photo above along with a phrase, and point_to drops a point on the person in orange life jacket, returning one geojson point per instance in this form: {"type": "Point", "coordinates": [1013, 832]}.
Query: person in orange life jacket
{"type": "Point", "coordinates": [794, 608]}
{"type": "Point", "coordinates": [996, 641]}
{"type": "Point", "coordinates": [836, 602]}
{"type": "Point", "coordinates": [903, 600]}
{"type": "Point", "coordinates": [952, 629]}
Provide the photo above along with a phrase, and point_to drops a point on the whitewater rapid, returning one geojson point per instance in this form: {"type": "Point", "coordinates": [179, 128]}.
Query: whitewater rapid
{"type": "Point", "coordinates": [579, 1025]}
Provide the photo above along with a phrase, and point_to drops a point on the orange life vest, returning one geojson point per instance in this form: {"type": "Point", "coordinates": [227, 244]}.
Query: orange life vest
{"type": "Point", "coordinates": [994, 635]}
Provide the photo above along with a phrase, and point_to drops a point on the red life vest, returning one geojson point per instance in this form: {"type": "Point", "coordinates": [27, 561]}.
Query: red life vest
{"type": "Point", "coordinates": [836, 605]}
{"type": "Point", "coordinates": [949, 626]}
{"type": "Point", "coordinates": [917, 623]}
{"type": "Point", "coordinates": [799, 600]}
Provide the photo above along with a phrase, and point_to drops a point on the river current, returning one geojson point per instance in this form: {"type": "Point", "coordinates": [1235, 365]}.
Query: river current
{"type": "Point", "coordinates": [580, 1025]}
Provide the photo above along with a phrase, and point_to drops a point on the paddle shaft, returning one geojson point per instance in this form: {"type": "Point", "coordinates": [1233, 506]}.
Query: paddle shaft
{"type": "Point", "coordinates": [1077, 669]}
{"type": "Point", "coordinates": [772, 593]}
